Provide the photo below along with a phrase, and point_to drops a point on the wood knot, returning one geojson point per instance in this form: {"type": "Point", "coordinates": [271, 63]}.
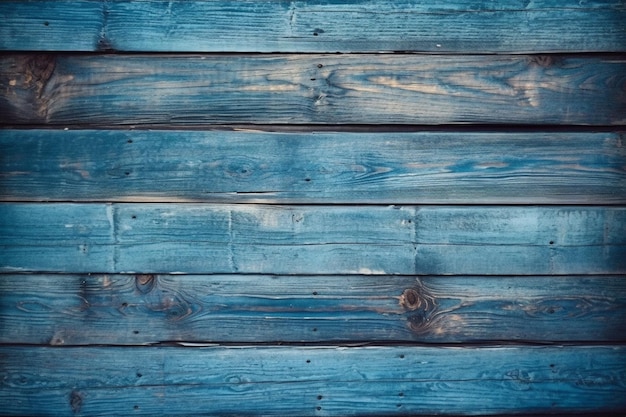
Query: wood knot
{"type": "Point", "coordinates": [416, 299]}
{"type": "Point", "coordinates": [410, 299]}
{"type": "Point", "coordinates": [145, 282]}
{"type": "Point", "coordinates": [37, 71]}
{"type": "Point", "coordinates": [76, 401]}
{"type": "Point", "coordinates": [422, 305]}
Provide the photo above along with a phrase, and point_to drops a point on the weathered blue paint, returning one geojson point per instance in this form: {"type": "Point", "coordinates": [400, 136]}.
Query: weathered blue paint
{"type": "Point", "coordinates": [311, 380]}
{"type": "Point", "coordinates": [529, 220]}
{"type": "Point", "coordinates": [218, 238]}
{"type": "Point", "coordinates": [313, 167]}
{"type": "Point", "coordinates": [106, 309]}
{"type": "Point", "coordinates": [314, 26]}
{"type": "Point", "coordinates": [311, 89]}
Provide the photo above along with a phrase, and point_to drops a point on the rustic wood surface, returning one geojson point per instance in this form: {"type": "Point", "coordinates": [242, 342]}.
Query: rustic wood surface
{"type": "Point", "coordinates": [317, 207]}
{"type": "Point", "coordinates": [311, 89]}
{"type": "Point", "coordinates": [146, 309]}
{"type": "Point", "coordinates": [313, 167]}
{"type": "Point", "coordinates": [314, 26]}
{"type": "Point", "coordinates": [311, 380]}
{"type": "Point", "coordinates": [217, 238]}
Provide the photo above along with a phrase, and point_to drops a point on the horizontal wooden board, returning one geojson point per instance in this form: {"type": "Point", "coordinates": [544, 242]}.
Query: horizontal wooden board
{"type": "Point", "coordinates": [311, 381]}
{"type": "Point", "coordinates": [311, 89]}
{"type": "Point", "coordinates": [313, 167]}
{"type": "Point", "coordinates": [218, 238]}
{"type": "Point", "coordinates": [314, 26]}
{"type": "Point", "coordinates": [147, 309]}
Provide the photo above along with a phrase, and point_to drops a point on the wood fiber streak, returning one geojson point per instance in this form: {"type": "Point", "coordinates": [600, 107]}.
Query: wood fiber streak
{"type": "Point", "coordinates": [313, 167]}
{"type": "Point", "coordinates": [144, 309]}
{"type": "Point", "coordinates": [314, 26]}
{"type": "Point", "coordinates": [311, 381]}
{"type": "Point", "coordinates": [311, 89]}
{"type": "Point", "coordinates": [404, 240]}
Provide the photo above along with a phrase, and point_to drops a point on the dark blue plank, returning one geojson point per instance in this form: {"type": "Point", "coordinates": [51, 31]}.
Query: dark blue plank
{"type": "Point", "coordinates": [144, 309]}
{"type": "Point", "coordinates": [314, 26]}
{"type": "Point", "coordinates": [328, 381]}
{"type": "Point", "coordinates": [218, 238]}
{"type": "Point", "coordinates": [311, 89]}
{"type": "Point", "coordinates": [313, 167]}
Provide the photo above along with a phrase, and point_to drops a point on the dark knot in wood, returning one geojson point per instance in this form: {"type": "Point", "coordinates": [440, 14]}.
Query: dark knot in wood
{"type": "Point", "coordinates": [410, 299]}
{"type": "Point", "coordinates": [422, 305]}
{"type": "Point", "coordinates": [145, 282]}
{"type": "Point", "coordinates": [76, 401]}
{"type": "Point", "coordinates": [38, 70]}
{"type": "Point", "coordinates": [417, 299]}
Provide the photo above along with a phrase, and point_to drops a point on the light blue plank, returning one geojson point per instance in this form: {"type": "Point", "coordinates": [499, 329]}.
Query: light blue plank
{"type": "Point", "coordinates": [404, 240]}
{"type": "Point", "coordinates": [314, 26]}
{"type": "Point", "coordinates": [313, 167]}
{"type": "Point", "coordinates": [73, 25]}
{"type": "Point", "coordinates": [311, 89]}
{"type": "Point", "coordinates": [143, 309]}
{"type": "Point", "coordinates": [68, 237]}
{"type": "Point", "coordinates": [311, 381]}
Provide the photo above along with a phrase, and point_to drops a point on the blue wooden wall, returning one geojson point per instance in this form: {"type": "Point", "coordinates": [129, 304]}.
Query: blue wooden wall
{"type": "Point", "coordinates": [317, 207]}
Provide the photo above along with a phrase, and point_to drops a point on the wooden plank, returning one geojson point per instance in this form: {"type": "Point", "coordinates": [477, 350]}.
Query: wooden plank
{"type": "Point", "coordinates": [314, 26]}
{"type": "Point", "coordinates": [69, 237]}
{"type": "Point", "coordinates": [311, 89]}
{"type": "Point", "coordinates": [404, 240]}
{"type": "Point", "coordinates": [313, 167]}
{"type": "Point", "coordinates": [312, 381]}
{"type": "Point", "coordinates": [145, 309]}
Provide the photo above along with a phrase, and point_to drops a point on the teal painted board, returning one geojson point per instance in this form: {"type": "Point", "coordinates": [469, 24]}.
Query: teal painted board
{"type": "Point", "coordinates": [328, 380]}
{"type": "Point", "coordinates": [244, 238]}
{"type": "Point", "coordinates": [314, 26]}
{"type": "Point", "coordinates": [175, 90]}
{"type": "Point", "coordinates": [66, 237]}
{"type": "Point", "coordinates": [344, 167]}
{"type": "Point", "coordinates": [147, 309]}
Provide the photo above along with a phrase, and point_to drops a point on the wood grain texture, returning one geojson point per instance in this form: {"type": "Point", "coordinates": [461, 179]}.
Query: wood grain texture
{"type": "Point", "coordinates": [145, 309]}
{"type": "Point", "coordinates": [311, 381]}
{"type": "Point", "coordinates": [314, 26]}
{"type": "Point", "coordinates": [405, 240]}
{"type": "Point", "coordinates": [313, 167]}
{"type": "Point", "coordinates": [311, 89]}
